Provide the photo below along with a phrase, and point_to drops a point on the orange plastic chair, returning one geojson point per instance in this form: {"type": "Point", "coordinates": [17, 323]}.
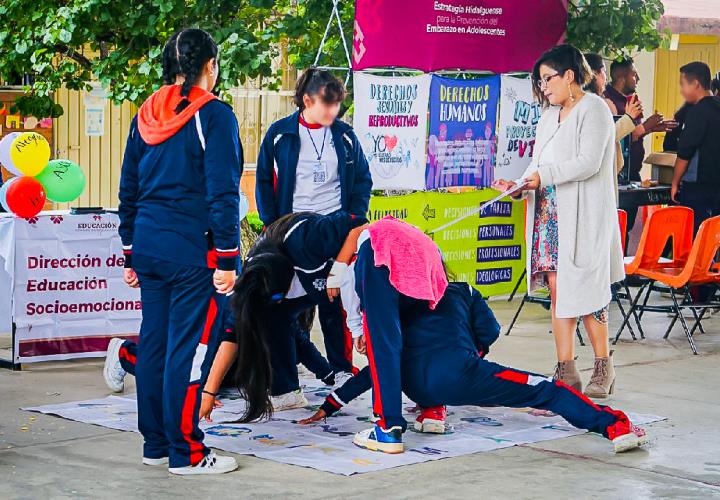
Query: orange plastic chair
{"type": "Point", "coordinates": [663, 224]}
{"type": "Point", "coordinates": [622, 220]}
{"type": "Point", "coordinates": [700, 269]}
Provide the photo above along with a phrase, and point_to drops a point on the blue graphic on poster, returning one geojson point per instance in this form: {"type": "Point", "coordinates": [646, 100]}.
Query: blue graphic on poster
{"type": "Point", "coordinates": [462, 139]}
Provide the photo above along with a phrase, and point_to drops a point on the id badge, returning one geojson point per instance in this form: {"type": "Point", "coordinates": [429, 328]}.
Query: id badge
{"type": "Point", "coordinates": [320, 172]}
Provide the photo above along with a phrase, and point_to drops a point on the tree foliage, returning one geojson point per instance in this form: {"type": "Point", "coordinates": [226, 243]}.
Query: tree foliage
{"type": "Point", "coordinates": [615, 28]}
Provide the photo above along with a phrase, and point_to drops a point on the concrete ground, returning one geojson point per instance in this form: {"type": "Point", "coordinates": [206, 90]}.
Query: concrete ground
{"type": "Point", "coordinates": [48, 457]}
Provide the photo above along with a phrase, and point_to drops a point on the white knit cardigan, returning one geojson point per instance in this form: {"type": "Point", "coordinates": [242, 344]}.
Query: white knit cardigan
{"type": "Point", "coordinates": [583, 171]}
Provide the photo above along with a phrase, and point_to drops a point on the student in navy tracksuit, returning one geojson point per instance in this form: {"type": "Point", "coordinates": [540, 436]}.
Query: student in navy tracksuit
{"type": "Point", "coordinates": [443, 364]}
{"type": "Point", "coordinates": [463, 321]}
{"type": "Point", "coordinates": [311, 161]}
{"type": "Point", "coordinates": [179, 193]}
{"type": "Point", "coordinates": [286, 272]}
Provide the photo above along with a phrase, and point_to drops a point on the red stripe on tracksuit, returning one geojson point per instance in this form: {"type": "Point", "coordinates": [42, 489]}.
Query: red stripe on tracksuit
{"type": "Point", "coordinates": [377, 399]}
{"type": "Point", "coordinates": [621, 426]}
{"type": "Point", "coordinates": [186, 424]}
{"type": "Point", "coordinates": [125, 354]}
{"type": "Point", "coordinates": [188, 412]}
{"type": "Point", "coordinates": [332, 401]}
{"type": "Point", "coordinates": [211, 316]}
{"type": "Point", "coordinates": [513, 376]}
{"type": "Point", "coordinates": [348, 343]}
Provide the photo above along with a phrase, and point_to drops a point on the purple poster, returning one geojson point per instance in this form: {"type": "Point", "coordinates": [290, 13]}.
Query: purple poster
{"type": "Point", "coordinates": [500, 36]}
{"type": "Point", "coordinates": [461, 143]}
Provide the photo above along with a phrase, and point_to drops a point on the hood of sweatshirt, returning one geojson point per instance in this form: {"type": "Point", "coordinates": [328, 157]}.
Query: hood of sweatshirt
{"type": "Point", "coordinates": [157, 120]}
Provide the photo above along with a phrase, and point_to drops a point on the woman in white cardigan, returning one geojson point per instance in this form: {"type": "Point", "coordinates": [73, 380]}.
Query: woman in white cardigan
{"type": "Point", "coordinates": [572, 226]}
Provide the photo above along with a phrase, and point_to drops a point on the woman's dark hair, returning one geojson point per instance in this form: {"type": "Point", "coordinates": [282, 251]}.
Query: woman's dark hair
{"type": "Point", "coordinates": [595, 61]}
{"type": "Point", "coordinates": [265, 278]}
{"type": "Point", "coordinates": [561, 58]}
{"type": "Point", "coordinates": [319, 83]}
{"type": "Point", "coordinates": [185, 54]}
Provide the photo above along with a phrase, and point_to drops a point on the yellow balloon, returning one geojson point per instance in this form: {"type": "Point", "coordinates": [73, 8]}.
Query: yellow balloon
{"type": "Point", "coordinates": [30, 153]}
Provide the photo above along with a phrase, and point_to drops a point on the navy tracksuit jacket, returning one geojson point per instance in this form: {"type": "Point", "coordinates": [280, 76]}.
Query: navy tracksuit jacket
{"type": "Point", "coordinates": [275, 190]}
{"type": "Point", "coordinates": [179, 196]}
{"type": "Point", "coordinates": [312, 245]}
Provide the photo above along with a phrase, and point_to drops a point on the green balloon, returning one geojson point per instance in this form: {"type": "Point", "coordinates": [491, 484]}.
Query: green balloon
{"type": "Point", "coordinates": [63, 180]}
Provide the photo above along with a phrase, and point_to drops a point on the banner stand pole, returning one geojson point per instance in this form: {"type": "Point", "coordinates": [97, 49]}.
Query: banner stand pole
{"type": "Point", "coordinates": [335, 16]}
{"type": "Point", "coordinates": [10, 363]}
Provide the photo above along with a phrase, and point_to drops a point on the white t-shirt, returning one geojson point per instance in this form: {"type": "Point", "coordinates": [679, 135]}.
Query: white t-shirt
{"type": "Point", "coordinates": [317, 183]}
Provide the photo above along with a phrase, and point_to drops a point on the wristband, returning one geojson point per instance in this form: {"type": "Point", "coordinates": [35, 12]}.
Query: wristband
{"type": "Point", "coordinates": [210, 393]}
{"type": "Point", "coordinates": [337, 273]}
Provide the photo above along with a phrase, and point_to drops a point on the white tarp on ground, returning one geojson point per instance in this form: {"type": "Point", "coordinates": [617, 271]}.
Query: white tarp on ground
{"type": "Point", "coordinates": [327, 446]}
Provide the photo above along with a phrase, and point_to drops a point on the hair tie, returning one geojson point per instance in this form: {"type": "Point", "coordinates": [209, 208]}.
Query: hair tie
{"type": "Point", "coordinates": [277, 297]}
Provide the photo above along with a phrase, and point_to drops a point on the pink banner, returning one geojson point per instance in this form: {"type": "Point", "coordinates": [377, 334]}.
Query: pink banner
{"type": "Point", "coordinates": [498, 35]}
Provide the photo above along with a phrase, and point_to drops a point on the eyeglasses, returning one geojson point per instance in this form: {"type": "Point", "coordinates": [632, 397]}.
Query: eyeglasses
{"type": "Point", "coordinates": [543, 82]}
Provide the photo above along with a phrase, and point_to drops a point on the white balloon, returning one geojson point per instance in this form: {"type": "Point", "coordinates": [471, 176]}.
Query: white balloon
{"type": "Point", "coordinates": [244, 206]}
{"type": "Point", "coordinates": [3, 193]}
{"type": "Point", "coordinates": [5, 147]}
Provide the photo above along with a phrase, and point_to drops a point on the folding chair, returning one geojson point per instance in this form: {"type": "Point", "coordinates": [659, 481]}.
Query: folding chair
{"type": "Point", "coordinates": [662, 225]}
{"type": "Point", "coordinates": [700, 268]}
{"type": "Point", "coordinates": [620, 290]}
{"type": "Point", "coordinates": [543, 301]}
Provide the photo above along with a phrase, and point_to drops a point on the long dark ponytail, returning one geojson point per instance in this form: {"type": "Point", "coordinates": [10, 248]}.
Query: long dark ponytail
{"type": "Point", "coordinates": [185, 54]}
{"type": "Point", "coordinates": [265, 279]}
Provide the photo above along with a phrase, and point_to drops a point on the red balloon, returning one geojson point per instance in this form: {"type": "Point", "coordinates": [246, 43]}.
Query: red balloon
{"type": "Point", "coordinates": [26, 197]}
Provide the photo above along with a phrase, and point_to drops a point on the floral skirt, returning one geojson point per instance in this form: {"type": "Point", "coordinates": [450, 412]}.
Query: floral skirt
{"type": "Point", "coordinates": [544, 256]}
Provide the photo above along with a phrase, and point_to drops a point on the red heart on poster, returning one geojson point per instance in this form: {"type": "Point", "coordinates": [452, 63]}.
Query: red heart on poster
{"type": "Point", "coordinates": [390, 142]}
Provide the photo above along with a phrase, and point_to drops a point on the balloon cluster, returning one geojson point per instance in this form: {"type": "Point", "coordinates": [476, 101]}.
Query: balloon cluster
{"type": "Point", "coordinates": [27, 156]}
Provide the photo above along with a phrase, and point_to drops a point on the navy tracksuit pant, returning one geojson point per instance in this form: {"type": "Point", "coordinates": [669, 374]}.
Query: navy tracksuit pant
{"type": "Point", "coordinates": [336, 337]}
{"type": "Point", "coordinates": [179, 334]}
{"type": "Point", "coordinates": [434, 373]}
{"type": "Point", "coordinates": [475, 381]}
{"type": "Point", "coordinates": [382, 305]}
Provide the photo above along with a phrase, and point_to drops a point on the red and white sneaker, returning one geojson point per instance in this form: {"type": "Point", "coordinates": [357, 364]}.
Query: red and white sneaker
{"type": "Point", "coordinates": [431, 420]}
{"type": "Point", "coordinates": [625, 436]}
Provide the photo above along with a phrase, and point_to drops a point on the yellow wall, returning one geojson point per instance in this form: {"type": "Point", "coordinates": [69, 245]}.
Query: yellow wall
{"type": "Point", "coordinates": [99, 157]}
{"type": "Point", "coordinates": [667, 72]}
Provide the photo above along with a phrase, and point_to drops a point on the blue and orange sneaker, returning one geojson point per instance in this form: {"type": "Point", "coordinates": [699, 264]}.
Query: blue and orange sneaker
{"type": "Point", "coordinates": [379, 439]}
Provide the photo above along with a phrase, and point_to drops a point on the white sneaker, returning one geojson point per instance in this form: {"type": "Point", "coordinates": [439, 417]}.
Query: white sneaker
{"type": "Point", "coordinates": [289, 401]}
{"type": "Point", "coordinates": [113, 371]}
{"type": "Point", "coordinates": [340, 379]}
{"type": "Point", "coordinates": [211, 464]}
{"type": "Point", "coordinates": [155, 461]}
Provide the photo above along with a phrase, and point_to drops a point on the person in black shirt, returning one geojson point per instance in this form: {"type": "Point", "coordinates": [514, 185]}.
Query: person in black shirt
{"type": "Point", "coordinates": [696, 182]}
{"type": "Point", "coordinates": [672, 136]}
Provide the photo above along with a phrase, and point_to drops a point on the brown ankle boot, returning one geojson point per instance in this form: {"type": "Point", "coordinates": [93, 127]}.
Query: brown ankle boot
{"type": "Point", "coordinates": [602, 382]}
{"type": "Point", "coordinates": [566, 372]}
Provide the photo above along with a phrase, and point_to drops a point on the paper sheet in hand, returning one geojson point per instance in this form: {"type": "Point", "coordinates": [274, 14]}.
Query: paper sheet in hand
{"type": "Point", "coordinates": [519, 184]}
